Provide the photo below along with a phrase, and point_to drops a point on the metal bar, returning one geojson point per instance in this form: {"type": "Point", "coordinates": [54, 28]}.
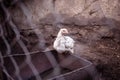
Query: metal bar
{"type": "Point", "coordinates": [50, 57]}
{"type": "Point", "coordinates": [3, 67]}
{"type": "Point", "coordinates": [9, 52]}
{"type": "Point", "coordinates": [28, 57]}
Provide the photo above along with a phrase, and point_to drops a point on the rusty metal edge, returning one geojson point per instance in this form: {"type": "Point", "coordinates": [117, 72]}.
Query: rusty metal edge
{"type": "Point", "coordinates": [89, 64]}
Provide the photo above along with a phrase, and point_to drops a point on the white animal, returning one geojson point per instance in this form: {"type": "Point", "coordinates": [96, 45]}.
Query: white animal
{"type": "Point", "coordinates": [63, 43]}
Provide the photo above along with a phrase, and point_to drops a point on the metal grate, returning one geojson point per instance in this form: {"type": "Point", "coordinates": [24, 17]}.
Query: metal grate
{"type": "Point", "coordinates": [18, 63]}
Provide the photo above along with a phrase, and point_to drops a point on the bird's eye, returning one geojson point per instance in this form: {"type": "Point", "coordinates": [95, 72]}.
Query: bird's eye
{"type": "Point", "coordinates": [64, 30]}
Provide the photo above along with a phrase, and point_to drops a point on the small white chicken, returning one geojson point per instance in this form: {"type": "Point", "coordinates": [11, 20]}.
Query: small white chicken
{"type": "Point", "coordinates": [63, 43]}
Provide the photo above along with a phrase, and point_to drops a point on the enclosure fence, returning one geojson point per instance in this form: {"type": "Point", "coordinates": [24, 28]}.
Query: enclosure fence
{"type": "Point", "coordinates": [11, 39]}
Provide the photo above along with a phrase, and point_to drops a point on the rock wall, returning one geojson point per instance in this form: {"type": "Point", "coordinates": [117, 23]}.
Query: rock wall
{"type": "Point", "coordinates": [80, 12]}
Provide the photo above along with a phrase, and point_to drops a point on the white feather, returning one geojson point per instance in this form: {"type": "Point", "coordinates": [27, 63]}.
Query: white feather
{"type": "Point", "coordinates": [63, 43]}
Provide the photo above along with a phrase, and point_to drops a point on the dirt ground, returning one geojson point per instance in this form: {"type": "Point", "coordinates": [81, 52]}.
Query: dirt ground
{"type": "Point", "coordinates": [98, 44]}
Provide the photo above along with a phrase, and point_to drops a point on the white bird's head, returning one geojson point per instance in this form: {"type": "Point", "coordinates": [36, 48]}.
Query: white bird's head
{"type": "Point", "coordinates": [64, 31]}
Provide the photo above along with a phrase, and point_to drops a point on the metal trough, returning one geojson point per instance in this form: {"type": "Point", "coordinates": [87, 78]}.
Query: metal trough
{"type": "Point", "coordinates": [74, 68]}
{"type": "Point", "coordinates": [70, 67]}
